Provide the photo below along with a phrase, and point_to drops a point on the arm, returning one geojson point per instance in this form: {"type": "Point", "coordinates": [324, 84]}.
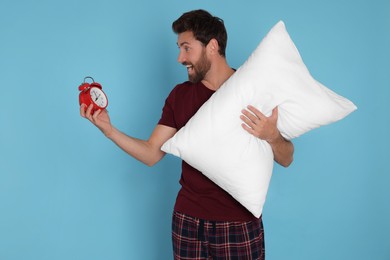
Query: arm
{"type": "Point", "coordinates": [146, 151]}
{"type": "Point", "coordinates": [263, 127]}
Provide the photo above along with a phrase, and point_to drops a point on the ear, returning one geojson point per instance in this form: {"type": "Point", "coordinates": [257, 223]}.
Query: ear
{"type": "Point", "coordinates": [213, 46]}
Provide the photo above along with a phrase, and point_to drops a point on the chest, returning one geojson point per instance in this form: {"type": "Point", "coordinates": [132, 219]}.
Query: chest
{"type": "Point", "coordinates": [188, 102]}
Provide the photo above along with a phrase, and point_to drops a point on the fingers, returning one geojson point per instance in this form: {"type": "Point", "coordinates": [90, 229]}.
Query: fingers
{"type": "Point", "coordinates": [248, 129]}
{"type": "Point", "coordinates": [96, 114]}
{"type": "Point", "coordinates": [275, 113]}
{"type": "Point", "coordinates": [250, 123]}
{"type": "Point", "coordinates": [252, 116]}
{"type": "Point", "coordinates": [248, 117]}
{"type": "Point", "coordinates": [82, 110]}
{"type": "Point", "coordinates": [256, 112]}
{"type": "Point", "coordinates": [86, 112]}
{"type": "Point", "coordinates": [259, 125]}
{"type": "Point", "coordinates": [256, 122]}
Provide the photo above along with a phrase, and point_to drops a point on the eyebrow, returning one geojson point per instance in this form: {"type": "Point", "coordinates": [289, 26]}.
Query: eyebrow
{"type": "Point", "coordinates": [181, 44]}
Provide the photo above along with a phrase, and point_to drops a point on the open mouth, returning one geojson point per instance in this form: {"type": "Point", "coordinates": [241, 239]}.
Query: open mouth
{"type": "Point", "coordinates": [189, 67]}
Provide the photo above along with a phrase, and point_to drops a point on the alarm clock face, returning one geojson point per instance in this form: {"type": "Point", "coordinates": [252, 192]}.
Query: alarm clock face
{"type": "Point", "coordinates": [98, 97]}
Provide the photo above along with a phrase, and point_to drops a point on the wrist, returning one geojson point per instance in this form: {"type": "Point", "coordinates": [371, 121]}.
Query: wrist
{"type": "Point", "coordinates": [275, 138]}
{"type": "Point", "coordinates": [110, 132]}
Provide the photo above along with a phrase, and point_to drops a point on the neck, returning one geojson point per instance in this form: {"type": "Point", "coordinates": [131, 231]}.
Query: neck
{"type": "Point", "coordinates": [217, 75]}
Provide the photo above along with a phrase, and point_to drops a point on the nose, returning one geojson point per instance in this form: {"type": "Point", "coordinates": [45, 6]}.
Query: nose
{"type": "Point", "coordinates": [180, 58]}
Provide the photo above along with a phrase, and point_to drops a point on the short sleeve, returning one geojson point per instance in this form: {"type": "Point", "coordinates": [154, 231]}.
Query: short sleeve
{"type": "Point", "coordinates": [167, 116]}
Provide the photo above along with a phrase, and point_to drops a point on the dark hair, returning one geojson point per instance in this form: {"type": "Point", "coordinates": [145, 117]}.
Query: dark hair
{"type": "Point", "coordinates": [204, 26]}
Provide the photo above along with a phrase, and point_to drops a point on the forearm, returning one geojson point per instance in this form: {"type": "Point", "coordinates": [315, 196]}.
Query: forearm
{"type": "Point", "coordinates": [283, 150]}
{"type": "Point", "coordinates": [149, 152]}
{"type": "Point", "coordinates": [142, 150]}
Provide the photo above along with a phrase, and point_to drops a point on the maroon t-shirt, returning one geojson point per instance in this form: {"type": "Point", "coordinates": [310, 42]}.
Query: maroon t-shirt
{"type": "Point", "coordinates": [199, 196]}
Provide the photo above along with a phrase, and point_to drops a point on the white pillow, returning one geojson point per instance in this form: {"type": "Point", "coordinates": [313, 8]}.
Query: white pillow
{"type": "Point", "coordinates": [213, 140]}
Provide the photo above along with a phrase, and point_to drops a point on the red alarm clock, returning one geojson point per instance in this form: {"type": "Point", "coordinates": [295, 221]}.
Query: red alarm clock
{"type": "Point", "coordinates": [92, 93]}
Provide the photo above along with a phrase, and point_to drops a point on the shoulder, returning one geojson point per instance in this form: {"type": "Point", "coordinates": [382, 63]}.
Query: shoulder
{"type": "Point", "coordinates": [183, 89]}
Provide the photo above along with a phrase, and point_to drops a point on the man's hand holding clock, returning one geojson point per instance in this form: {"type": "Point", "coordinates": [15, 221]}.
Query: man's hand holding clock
{"type": "Point", "coordinates": [99, 118]}
{"type": "Point", "coordinates": [93, 102]}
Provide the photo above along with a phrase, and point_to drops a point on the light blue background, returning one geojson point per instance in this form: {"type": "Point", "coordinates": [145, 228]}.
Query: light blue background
{"type": "Point", "coordinates": [66, 192]}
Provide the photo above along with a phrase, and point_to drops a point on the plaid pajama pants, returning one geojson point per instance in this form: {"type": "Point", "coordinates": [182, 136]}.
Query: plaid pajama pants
{"type": "Point", "coordinates": [195, 238]}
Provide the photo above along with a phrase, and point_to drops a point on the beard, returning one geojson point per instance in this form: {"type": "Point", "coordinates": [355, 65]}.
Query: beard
{"type": "Point", "coordinates": [200, 68]}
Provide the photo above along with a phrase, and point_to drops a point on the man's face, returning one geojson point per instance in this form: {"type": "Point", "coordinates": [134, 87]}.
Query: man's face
{"type": "Point", "coordinates": [193, 55]}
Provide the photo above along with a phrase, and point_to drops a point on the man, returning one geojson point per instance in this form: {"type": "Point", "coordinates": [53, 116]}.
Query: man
{"type": "Point", "coordinates": [207, 222]}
